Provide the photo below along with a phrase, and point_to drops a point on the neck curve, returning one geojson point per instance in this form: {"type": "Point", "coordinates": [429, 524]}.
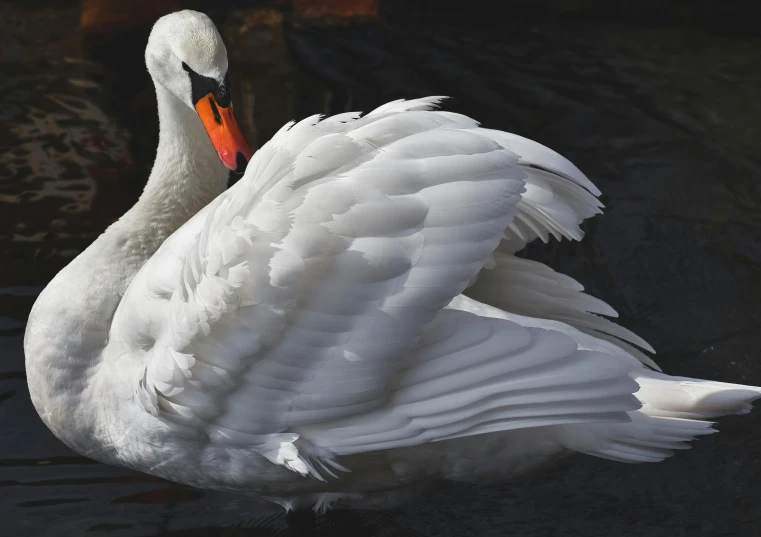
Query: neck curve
{"type": "Point", "coordinates": [69, 325]}
{"type": "Point", "coordinates": [187, 173]}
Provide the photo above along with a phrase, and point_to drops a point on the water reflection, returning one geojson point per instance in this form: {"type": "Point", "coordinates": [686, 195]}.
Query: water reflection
{"type": "Point", "coordinates": [663, 120]}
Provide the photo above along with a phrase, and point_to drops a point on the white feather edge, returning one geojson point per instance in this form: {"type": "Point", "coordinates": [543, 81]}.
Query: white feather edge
{"type": "Point", "coordinates": [558, 198]}
{"type": "Point", "coordinates": [533, 289]}
{"type": "Point", "coordinates": [471, 375]}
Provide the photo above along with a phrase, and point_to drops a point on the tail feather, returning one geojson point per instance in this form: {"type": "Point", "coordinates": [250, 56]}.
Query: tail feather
{"type": "Point", "coordinates": [674, 412]}
{"type": "Point", "coordinates": [681, 397]}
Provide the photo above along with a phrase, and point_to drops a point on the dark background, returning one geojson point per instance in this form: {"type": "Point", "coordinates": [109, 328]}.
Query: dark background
{"type": "Point", "coordinates": [657, 102]}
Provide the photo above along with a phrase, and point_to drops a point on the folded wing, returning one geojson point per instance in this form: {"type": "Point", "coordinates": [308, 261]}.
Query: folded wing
{"type": "Point", "coordinates": [295, 296]}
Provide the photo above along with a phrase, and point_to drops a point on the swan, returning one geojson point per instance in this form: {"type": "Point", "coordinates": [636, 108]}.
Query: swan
{"type": "Point", "coordinates": [350, 319]}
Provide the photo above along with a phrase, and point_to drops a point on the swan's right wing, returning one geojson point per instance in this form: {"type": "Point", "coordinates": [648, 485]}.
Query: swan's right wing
{"type": "Point", "coordinates": [295, 296]}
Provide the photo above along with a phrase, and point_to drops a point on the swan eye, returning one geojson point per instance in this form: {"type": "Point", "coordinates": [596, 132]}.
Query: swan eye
{"type": "Point", "coordinates": [201, 86]}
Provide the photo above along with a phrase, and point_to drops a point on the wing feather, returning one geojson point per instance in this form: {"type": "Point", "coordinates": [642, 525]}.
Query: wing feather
{"type": "Point", "coordinates": [294, 297]}
{"type": "Point", "coordinates": [532, 289]}
{"type": "Point", "coordinates": [471, 374]}
{"type": "Point", "coordinates": [301, 315]}
{"type": "Point", "coordinates": [557, 199]}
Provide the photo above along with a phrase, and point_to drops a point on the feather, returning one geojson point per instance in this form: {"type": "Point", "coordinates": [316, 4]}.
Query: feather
{"type": "Point", "coordinates": [314, 310]}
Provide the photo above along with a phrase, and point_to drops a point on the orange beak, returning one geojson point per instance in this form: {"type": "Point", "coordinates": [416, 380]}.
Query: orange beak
{"type": "Point", "coordinates": [224, 133]}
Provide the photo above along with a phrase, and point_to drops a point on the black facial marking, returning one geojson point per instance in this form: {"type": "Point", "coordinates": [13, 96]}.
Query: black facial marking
{"type": "Point", "coordinates": [201, 86]}
{"type": "Point", "coordinates": [215, 111]}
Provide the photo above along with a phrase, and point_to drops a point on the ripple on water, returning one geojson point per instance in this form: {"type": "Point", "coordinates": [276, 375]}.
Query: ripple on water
{"type": "Point", "coordinates": [54, 149]}
{"type": "Point", "coordinates": [64, 166]}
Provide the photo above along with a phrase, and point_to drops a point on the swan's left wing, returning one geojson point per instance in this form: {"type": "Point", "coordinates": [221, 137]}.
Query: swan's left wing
{"type": "Point", "coordinates": [557, 199]}
{"type": "Point", "coordinates": [292, 298]}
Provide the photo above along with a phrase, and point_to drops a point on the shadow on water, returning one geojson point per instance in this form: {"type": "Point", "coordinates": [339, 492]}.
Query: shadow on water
{"type": "Point", "coordinates": [664, 120]}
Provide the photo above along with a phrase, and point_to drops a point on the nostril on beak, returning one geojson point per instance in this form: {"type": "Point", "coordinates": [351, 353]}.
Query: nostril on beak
{"type": "Point", "coordinates": [240, 162]}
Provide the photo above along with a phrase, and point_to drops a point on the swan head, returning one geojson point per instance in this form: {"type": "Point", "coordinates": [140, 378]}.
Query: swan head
{"type": "Point", "coordinates": [186, 55]}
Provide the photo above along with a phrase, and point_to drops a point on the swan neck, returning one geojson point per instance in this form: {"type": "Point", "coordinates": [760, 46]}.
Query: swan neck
{"type": "Point", "coordinates": [69, 325]}
{"type": "Point", "coordinates": [187, 173]}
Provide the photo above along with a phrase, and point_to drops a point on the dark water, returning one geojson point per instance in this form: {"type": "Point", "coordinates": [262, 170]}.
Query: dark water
{"type": "Point", "coordinates": [667, 122]}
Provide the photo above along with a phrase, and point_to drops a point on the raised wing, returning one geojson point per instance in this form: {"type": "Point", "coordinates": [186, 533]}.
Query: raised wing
{"type": "Point", "coordinates": [557, 199]}
{"type": "Point", "coordinates": [533, 289]}
{"type": "Point", "coordinates": [558, 195]}
{"type": "Point", "coordinates": [294, 296]}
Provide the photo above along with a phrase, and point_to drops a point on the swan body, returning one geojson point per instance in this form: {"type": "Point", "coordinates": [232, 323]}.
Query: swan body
{"type": "Point", "coordinates": [304, 335]}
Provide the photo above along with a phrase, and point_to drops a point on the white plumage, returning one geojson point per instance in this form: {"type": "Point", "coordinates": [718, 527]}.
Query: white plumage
{"type": "Point", "coordinates": [304, 336]}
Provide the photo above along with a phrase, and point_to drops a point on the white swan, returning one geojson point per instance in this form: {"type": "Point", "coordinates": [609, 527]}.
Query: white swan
{"type": "Point", "coordinates": [303, 335]}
